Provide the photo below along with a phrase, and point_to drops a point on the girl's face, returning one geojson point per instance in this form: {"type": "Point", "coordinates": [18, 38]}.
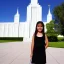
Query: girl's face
{"type": "Point", "coordinates": [39, 27]}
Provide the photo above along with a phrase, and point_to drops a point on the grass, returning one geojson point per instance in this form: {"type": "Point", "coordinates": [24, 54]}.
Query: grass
{"type": "Point", "coordinates": [56, 44]}
{"type": "Point", "coordinates": [6, 41]}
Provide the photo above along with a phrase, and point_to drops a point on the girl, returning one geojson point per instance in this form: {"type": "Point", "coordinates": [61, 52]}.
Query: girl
{"type": "Point", "coordinates": [39, 44]}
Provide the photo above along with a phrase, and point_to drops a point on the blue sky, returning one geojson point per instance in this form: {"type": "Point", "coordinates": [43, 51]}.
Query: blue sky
{"type": "Point", "coordinates": [8, 8]}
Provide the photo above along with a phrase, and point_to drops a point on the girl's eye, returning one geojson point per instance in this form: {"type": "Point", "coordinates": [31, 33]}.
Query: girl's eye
{"type": "Point", "coordinates": [39, 26]}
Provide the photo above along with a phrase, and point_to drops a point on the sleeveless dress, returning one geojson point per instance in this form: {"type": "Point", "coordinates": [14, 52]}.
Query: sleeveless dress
{"type": "Point", "coordinates": [39, 53]}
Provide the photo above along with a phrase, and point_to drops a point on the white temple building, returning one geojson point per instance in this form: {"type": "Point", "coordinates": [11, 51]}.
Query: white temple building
{"type": "Point", "coordinates": [24, 29]}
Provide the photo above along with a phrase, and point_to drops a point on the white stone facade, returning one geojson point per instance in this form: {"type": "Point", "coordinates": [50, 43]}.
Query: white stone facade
{"type": "Point", "coordinates": [11, 29]}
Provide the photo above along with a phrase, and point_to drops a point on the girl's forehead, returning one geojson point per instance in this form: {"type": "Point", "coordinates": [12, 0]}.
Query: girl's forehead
{"type": "Point", "coordinates": [40, 24]}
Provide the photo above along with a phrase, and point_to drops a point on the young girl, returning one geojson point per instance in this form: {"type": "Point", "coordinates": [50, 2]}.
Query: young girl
{"type": "Point", "coordinates": [39, 45]}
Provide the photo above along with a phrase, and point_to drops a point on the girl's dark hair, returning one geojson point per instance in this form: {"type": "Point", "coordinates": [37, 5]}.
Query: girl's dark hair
{"type": "Point", "coordinates": [37, 30]}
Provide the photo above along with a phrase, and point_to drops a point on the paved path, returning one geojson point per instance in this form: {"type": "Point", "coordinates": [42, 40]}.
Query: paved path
{"type": "Point", "coordinates": [19, 53]}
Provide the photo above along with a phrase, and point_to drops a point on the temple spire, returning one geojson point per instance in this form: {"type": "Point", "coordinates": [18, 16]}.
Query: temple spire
{"type": "Point", "coordinates": [17, 11]}
{"type": "Point", "coordinates": [17, 17]}
{"type": "Point", "coordinates": [49, 9]}
{"type": "Point", "coordinates": [34, 1]}
{"type": "Point", "coordinates": [49, 15]}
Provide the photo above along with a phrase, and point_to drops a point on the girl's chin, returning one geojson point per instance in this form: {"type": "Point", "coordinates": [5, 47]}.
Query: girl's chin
{"type": "Point", "coordinates": [39, 31]}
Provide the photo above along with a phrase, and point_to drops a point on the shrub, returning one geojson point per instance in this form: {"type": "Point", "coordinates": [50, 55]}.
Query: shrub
{"type": "Point", "coordinates": [60, 39]}
{"type": "Point", "coordinates": [52, 38]}
{"type": "Point", "coordinates": [12, 38]}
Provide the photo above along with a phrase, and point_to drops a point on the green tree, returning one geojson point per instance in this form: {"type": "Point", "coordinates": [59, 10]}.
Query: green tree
{"type": "Point", "coordinates": [59, 18]}
{"type": "Point", "coordinates": [51, 29]}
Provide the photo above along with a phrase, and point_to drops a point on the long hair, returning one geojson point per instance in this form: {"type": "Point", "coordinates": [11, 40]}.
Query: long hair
{"type": "Point", "coordinates": [42, 29]}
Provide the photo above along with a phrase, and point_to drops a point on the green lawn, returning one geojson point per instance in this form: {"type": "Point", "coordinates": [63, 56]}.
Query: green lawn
{"type": "Point", "coordinates": [6, 41]}
{"type": "Point", "coordinates": [56, 44]}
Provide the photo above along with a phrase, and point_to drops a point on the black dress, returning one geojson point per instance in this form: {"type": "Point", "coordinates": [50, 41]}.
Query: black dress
{"type": "Point", "coordinates": [39, 53]}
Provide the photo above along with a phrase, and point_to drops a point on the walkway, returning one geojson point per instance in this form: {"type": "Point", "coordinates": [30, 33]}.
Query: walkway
{"type": "Point", "coordinates": [19, 53]}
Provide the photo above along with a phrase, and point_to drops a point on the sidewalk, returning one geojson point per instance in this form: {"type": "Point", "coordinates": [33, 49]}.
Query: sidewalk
{"type": "Point", "coordinates": [19, 53]}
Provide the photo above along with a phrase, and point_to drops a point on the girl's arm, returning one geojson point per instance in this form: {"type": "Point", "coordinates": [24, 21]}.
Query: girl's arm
{"type": "Point", "coordinates": [46, 41]}
{"type": "Point", "coordinates": [32, 46]}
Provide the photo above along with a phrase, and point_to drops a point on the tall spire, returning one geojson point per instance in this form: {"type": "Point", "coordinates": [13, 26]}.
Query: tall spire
{"type": "Point", "coordinates": [49, 10]}
{"type": "Point", "coordinates": [17, 11]}
{"type": "Point", "coordinates": [16, 17]}
{"type": "Point", "coordinates": [34, 1]}
{"type": "Point", "coordinates": [49, 15]}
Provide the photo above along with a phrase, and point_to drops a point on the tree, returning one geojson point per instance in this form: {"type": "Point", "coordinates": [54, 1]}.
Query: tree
{"type": "Point", "coordinates": [51, 32]}
{"type": "Point", "coordinates": [51, 29]}
{"type": "Point", "coordinates": [59, 18]}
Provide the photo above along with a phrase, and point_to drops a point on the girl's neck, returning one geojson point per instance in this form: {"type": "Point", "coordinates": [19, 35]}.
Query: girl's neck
{"type": "Point", "coordinates": [39, 34]}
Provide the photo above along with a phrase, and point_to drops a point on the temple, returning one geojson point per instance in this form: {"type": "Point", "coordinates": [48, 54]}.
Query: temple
{"type": "Point", "coordinates": [25, 29]}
